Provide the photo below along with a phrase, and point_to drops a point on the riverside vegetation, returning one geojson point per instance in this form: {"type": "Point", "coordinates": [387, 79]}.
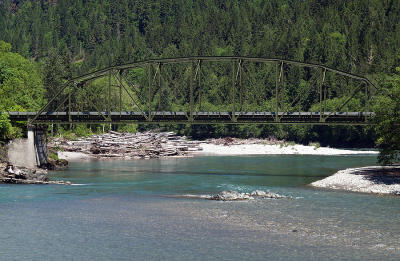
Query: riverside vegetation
{"type": "Point", "coordinates": [44, 43]}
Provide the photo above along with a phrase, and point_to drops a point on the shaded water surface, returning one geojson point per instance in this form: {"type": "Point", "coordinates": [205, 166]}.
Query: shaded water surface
{"type": "Point", "coordinates": [128, 210]}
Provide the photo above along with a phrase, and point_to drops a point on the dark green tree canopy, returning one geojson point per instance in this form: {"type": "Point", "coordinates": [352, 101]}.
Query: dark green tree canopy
{"type": "Point", "coordinates": [388, 122]}
{"type": "Point", "coordinates": [21, 87]}
{"type": "Point", "coordinates": [356, 36]}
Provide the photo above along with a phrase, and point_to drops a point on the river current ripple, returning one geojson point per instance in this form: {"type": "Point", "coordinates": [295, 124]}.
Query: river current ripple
{"type": "Point", "coordinates": [128, 210]}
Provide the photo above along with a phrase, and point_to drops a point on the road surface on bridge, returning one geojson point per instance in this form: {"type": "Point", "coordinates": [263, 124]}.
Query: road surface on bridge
{"type": "Point", "coordinates": [339, 118]}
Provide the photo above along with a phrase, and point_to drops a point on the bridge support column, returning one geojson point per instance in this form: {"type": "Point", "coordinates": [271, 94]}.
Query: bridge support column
{"type": "Point", "coordinates": [40, 143]}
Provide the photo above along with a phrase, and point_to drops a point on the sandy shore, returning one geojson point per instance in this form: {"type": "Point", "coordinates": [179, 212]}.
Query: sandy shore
{"type": "Point", "coordinates": [145, 145]}
{"type": "Point", "coordinates": [278, 149]}
{"type": "Point", "coordinates": [375, 179]}
{"type": "Point", "coordinates": [74, 156]}
{"type": "Point", "coordinates": [242, 149]}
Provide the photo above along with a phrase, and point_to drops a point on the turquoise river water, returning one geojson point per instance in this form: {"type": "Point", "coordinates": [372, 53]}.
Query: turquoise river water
{"type": "Point", "coordinates": [133, 210]}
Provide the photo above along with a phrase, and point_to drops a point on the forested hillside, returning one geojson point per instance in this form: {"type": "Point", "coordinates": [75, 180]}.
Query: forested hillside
{"type": "Point", "coordinates": [355, 36]}
{"type": "Point", "coordinates": [70, 37]}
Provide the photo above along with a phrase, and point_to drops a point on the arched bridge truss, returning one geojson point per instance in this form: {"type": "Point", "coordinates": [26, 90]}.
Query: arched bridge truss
{"type": "Point", "coordinates": [209, 90]}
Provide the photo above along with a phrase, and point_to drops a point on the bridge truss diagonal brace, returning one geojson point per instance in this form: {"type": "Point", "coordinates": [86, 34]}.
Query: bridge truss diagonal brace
{"type": "Point", "coordinates": [298, 98]}
{"type": "Point", "coordinates": [236, 81]}
{"type": "Point", "coordinates": [197, 78]}
{"type": "Point", "coordinates": [106, 119]}
{"type": "Point", "coordinates": [191, 89]}
{"type": "Point", "coordinates": [279, 81]}
{"type": "Point", "coordinates": [321, 97]}
{"type": "Point", "coordinates": [119, 79]}
{"type": "Point", "coordinates": [65, 86]}
{"type": "Point", "coordinates": [67, 97]}
{"type": "Point", "coordinates": [346, 101]}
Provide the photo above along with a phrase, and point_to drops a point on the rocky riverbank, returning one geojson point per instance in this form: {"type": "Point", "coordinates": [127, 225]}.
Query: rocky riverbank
{"type": "Point", "coordinates": [374, 179]}
{"type": "Point", "coordinates": [10, 174]}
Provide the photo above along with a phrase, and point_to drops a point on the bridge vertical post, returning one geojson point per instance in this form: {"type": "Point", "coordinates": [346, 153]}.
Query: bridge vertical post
{"type": "Point", "coordinates": [149, 94]}
{"type": "Point", "coordinates": [276, 92]}
{"type": "Point", "coordinates": [325, 91]}
{"type": "Point", "coordinates": [241, 87]}
{"type": "Point", "coordinates": [159, 86]}
{"type": "Point", "coordinates": [120, 94]}
{"type": "Point", "coordinates": [69, 110]}
{"type": "Point", "coordinates": [233, 90]}
{"type": "Point", "coordinates": [191, 92]}
{"type": "Point", "coordinates": [366, 100]}
{"type": "Point", "coordinates": [367, 97]}
{"type": "Point", "coordinates": [109, 96]}
{"type": "Point", "coordinates": [278, 81]}
{"type": "Point", "coordinates": [320, 96]}
{"type": "Point", "coordinates": [199, 83]}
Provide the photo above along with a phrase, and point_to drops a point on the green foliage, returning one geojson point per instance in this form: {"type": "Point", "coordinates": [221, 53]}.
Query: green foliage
{"type": "Point", "coordinates": [67, 134]}
{"type": "Point", "coordinates": [57, 69]}
{"type": "Point", "coordinates": [82, 130]}
{"type": "Point", "coordinates": [388, 122]}
{"type": "Point", "coordinates": [5, 47]}
{"type": "Point", "coordinates": [3, 152]}
{"type": "Point", "coordinates": [336, 103]}
{"type": "Point", "coordinates": [53, 155]}
{"type": "Point", "coordinates": [79, 130]}
{"type": "Point", "coordinates": [130, 128]}
{"type": "Point", "coordinates": [358, 36]}
{"type": "Point", "coordinates": [6, 129]}
{"type": "Point", "coordinates": [21, 87]}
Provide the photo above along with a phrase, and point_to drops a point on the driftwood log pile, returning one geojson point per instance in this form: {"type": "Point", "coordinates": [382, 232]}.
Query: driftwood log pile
{"type": "Point", "coordinates": [130, 145]}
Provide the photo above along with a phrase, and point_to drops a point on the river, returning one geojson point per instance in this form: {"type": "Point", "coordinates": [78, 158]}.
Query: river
{"type": "Point", "coordinates": [133, 210]}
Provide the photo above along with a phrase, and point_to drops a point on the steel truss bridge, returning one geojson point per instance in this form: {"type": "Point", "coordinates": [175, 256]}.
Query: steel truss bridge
{"type": "Point", "coordinates": [144, 97]}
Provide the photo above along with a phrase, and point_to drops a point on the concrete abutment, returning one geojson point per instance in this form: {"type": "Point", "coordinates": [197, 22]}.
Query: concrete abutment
{"type": "Point", "coordinates": [30, 152]}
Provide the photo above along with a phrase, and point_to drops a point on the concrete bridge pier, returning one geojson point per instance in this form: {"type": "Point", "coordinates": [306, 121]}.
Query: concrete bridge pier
{"type": "Point", "coordinates": [40, 146]}
{"type": "Point", "coordinates": [30, 152]}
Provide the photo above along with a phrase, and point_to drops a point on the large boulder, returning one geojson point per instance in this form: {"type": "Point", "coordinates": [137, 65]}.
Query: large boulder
{"type": "Point", "coordinates": [234, 195]}
{"type": "Point", "coordinates": [231, 195]}
{"type": "Point", "coordinates": [264, 194]}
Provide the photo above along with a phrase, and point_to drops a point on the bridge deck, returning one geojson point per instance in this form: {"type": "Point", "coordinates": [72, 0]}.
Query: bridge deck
{"type": "Point", "coordinates": [343, 118]}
